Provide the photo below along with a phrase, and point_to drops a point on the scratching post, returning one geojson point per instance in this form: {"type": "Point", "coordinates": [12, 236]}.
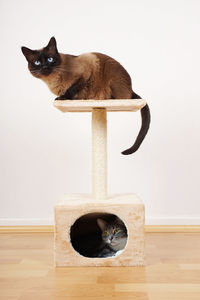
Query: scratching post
{"type": "Point", "coordinates": [99, 153]}
{"type": "Point", "coordinates": [76, 215]}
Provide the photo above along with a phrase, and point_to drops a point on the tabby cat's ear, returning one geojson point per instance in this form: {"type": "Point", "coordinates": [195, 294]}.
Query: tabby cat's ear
{"type": "Point", "coordinates": [102, 224]}
{"type": "Point", "coordinates": [52, 46]}
{"type": "Point", "coordinates": [28, 53]}
{"type": "Point", "coordinates": [119, 222]}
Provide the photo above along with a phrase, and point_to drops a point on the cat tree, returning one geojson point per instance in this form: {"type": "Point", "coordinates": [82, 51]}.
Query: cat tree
{"type": "Point", "coordinates": [128, 207]}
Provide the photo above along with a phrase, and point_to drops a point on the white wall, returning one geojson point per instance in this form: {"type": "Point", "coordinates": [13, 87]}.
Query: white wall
{"type": "Point", "coordinates": [45, 153]}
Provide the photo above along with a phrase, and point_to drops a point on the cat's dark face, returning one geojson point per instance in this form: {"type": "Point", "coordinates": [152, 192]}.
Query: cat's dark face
{"type": "Point", "coordinates": [43, 62]}
{"type": "Point", "coordinates": [113, 233]}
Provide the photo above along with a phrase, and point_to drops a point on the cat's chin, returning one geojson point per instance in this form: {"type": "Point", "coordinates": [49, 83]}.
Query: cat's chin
{"type": "Point", "coordinates": [113, 244]}
{"type": "Point", "coordinates": [45, 73]}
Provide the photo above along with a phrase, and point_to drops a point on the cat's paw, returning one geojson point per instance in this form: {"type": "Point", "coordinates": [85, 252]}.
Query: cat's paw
{"type": "Point", "coordinates": [62, 97]}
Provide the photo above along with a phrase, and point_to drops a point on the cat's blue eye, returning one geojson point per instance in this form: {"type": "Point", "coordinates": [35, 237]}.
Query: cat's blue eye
{"type": "Point", "coordinates": [37, 62]}
{"type": "Point", "coordinates": [50, 59]}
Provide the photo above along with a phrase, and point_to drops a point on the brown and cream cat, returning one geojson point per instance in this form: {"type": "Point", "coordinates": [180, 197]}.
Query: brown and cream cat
{"type": "Point", "coordinates": [87, 76]}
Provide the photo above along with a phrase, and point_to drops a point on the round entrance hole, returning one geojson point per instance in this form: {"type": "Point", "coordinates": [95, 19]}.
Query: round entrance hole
{"type": "Point", "coordinates": [98, 235]}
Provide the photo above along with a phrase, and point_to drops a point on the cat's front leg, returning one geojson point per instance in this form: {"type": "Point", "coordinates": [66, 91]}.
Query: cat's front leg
{"type": "Point", "coordinates": [68, 94]}
{"type": "Point", "coordinates": [73, 90]}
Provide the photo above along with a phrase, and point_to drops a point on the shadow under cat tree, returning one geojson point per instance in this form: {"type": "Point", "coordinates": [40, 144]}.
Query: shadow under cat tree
{"type": "Point", "coordinates": [98, 235]}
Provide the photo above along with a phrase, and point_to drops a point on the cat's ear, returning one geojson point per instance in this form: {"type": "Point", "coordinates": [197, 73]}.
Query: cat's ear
{"type": "Point", "coordinates": [119, 221]}
{"type": "Point", "coordinates": [52, 45]}
{"type": "Point", "coordinates": [28, 53]}
{"type": "Point", "coordinates": [102, 224]}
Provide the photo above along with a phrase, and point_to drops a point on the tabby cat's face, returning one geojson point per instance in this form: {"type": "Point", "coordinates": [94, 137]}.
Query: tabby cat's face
{"type": "Point", "coordinates": [112, 233]}
{"type": "Point", "coordinates": [43, 62]}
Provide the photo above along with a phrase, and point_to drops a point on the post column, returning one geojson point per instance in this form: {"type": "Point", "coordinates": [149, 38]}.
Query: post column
{"type": "Point", "coordinates": [99, 153]}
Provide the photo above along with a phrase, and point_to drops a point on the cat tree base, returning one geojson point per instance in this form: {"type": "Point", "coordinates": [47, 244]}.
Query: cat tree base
{"type": "Point", "coordinates": [129, 208]}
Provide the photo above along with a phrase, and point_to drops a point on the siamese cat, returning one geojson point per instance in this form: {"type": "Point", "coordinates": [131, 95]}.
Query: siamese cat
{"type": "Point", "coordinates": [87, 76]}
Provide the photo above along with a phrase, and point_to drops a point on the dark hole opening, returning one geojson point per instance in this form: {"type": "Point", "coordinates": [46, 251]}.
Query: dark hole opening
{"type": "Point", "coordinates": [98, 235]}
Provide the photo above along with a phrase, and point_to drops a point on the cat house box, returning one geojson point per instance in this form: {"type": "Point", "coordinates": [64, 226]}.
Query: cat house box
{"type": "Point", "coordinates": [76, 215]}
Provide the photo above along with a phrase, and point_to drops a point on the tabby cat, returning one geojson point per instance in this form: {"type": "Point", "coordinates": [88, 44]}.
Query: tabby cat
{"type": "Point", "coordinates": [114, 237]}
{"type": "Point", "coordinates": [87, 76]}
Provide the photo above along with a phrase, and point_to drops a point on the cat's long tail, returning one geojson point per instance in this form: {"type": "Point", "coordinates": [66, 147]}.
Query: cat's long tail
{"type": "Point", "coordinates": [146, 119]}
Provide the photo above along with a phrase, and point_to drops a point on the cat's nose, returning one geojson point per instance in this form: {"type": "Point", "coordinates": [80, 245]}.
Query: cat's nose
{"type": "Point", "coordinates": [44, 67]}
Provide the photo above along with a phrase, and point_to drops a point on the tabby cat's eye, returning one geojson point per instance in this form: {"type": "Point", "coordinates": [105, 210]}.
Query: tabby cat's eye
{"type": "Point", "coordinates": [116, 231]}
{"type": "Point", "coordinates": [106, 233]}
{"type": "Point", "coordinates": [37, 62]}
{"type": "Point", "coordinates": [50, 59]}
